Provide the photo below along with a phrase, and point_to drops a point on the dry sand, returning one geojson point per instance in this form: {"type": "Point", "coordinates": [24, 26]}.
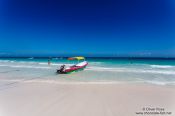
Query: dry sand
{"type": "Point", "coordinates": [73, 99]}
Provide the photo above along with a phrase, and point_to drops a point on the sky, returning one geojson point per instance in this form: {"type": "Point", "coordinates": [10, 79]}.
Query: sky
{"type": "Point", "coordinates": [87, 27]}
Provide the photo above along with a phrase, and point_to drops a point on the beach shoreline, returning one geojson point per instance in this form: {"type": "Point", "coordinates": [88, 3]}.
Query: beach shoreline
{"type": "Point", "coordinates": [115, 88]}
{"type": "Point", "coordinates": [73, 99]}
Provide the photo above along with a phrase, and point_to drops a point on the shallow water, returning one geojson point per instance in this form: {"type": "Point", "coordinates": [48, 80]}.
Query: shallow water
{"type": "Point", "coordinates": [154, 71]}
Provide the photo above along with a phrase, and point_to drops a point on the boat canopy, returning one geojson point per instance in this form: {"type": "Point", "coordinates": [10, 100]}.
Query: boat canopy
{"type": "Point", "coordinates": [76, 58]}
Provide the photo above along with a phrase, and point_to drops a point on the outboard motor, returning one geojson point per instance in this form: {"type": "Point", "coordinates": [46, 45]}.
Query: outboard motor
{"type": "Point", "coordinates": [61, 69]}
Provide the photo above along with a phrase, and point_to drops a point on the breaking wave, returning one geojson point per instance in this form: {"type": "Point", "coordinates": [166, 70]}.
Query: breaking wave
{"type": "Point", "coordinates": [132, 70]}
{"type": "Point", "coordinates": [162, 66]}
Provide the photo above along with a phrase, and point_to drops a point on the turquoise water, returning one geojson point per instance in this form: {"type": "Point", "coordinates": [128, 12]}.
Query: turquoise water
{"type": "Point", "coordinates": [155, 71]}
{"type": "Point", "coordinates": [105, 61]}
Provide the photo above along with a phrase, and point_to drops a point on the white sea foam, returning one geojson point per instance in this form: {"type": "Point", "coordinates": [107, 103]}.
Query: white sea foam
{"type": "Point", "coordinates": [160, 82]}
{"type": "Point", "coordinates": [162, 66]}
{"type": "Point", "coordinates": [3, 65]}
{"type": "Point", "coordinates": [25, 66]}
{"type": "Point", "coordinates": [4, 60]}
{"type": "Point", "coordinates": [85, 82]}
{"type": "Point", "coordinates": [42, 63]}
{"type": "Point", "coordinates": [61, 82]}
{"type": "Point", "coordinates": [29, 64]}
{"type": "Point", "coordinates": [95, 63]}
{"type": "Point", "coordinates": [54, 64]}
{"type": "Point", "coordinates": [31, 58]}
{"type": "Point", "coordinates": [133, 70]}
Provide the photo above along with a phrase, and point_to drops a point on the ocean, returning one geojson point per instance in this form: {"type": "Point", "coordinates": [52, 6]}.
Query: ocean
{"type": "Point", "coordinates": [159, 71]}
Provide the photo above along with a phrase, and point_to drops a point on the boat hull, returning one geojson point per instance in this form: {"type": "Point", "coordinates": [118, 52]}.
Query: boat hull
{"type": "Point", "coordinates": [76, 68]}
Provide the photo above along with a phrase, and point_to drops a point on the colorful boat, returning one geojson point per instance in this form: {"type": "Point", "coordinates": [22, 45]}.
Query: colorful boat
{"type": "Point", "coordinates": [74, 68]}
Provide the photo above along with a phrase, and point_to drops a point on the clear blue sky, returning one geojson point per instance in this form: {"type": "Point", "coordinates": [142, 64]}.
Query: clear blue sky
{"type": "Point", "coordinates": [89, 27]}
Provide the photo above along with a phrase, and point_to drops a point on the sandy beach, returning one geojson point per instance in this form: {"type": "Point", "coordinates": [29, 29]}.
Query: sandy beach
{"type": "Point", "coordinates": [81, 99]}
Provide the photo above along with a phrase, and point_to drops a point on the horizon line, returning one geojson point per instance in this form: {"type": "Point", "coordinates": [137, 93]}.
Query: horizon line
{"type": "Point", "coordinates": [125, 57]}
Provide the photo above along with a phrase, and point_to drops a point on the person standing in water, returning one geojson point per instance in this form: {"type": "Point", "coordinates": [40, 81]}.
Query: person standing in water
{"type": "Point", "coordinates": [49, 61]}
